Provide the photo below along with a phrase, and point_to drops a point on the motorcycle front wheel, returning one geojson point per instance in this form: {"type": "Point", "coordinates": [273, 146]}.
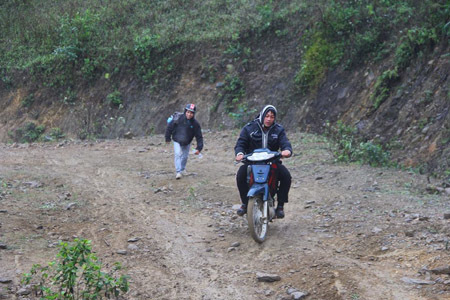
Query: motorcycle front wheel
{"type": "Point", "coordinates": [257, 218]}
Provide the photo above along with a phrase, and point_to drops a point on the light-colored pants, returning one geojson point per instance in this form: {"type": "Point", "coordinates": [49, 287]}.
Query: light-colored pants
{"type": "Point", "coordinates": [181, 156]}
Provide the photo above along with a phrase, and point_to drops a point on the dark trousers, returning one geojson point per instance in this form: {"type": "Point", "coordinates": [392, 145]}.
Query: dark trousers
{"type": "Point", "coordinates": [284, 184]}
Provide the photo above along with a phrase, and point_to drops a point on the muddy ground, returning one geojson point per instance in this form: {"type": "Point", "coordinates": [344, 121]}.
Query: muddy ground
{"type": "Point", "coordinates": [350, 232]}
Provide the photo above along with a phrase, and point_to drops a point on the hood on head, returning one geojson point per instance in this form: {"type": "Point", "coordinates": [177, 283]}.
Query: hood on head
{"type": "Point", "coordinates": [264, 111]}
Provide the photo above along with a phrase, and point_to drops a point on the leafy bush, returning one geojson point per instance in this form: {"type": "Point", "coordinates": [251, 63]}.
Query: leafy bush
{"type": "Point", "coordinates": [383, 86]}
{"type": "Point", "coordinates": [56, 133]}
{"type": "Point", "coordinates": [348, 147]}
{"type": "Point", "coordinates": [147, 49]}
{"type": "Point", "coordinates": [69, 97]}
{"type": "Point", "coordinates": [76, 274]}
{"type": "Point", "coordinates": [234, 91]}
{"type": "Point", "coordinates": [78, 34]}
{"type": "Point", "coordinates": [320, 56]}
{"type": "Point", "coordinates": [344, 139]}
{"type": "Point", "coordinates": [372, 154]}
{"type": "Point", "coordinates": [412, 44]}
{"type": "Point", "coordinates": [28, 100]}
{"type": "Point", "coordinates": [242, 114]}
{"type": "Point", "coordinates": [27, 134]}
{"type": "Point", "coordinates": [266, 14]}
{"type": "Point", "coordinates": [115, 98]}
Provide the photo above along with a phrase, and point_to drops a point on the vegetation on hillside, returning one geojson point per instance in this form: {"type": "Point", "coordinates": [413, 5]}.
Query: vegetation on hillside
{"type": "Point", "coordinates": [55, 43]}
{"type": "Point", "coordinates": [58, 43]}
{"type": "Point", "coordinates": [87, 40]}
{"type": "Point", "coordinates": [349, 33]}
{"type": "Point", "coordinates": [67, 44]}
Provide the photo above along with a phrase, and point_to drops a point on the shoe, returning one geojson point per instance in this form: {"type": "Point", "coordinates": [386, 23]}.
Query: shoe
{"type": "Point", "coordinates": [242, 210]}
{"type": "Point", "coordinates": [178, 176]}
{"type": "Point", "coordinates": [279, 212]}
{"type": "Point", "coordinates": [184, 173]}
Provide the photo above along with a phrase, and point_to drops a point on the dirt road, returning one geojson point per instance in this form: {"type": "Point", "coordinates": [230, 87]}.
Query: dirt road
{"type": "Point", "coordinates": [350, 232]}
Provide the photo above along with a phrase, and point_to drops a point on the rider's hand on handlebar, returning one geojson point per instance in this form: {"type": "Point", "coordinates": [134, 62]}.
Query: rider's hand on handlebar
{"type": "Point", "coordinates": [286, 153]}
{"type": "Point", "coordinates": [239, 157]}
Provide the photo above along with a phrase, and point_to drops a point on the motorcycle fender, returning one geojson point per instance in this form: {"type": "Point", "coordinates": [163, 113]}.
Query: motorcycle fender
{"type": "Point", "coordinates": [257, 189]}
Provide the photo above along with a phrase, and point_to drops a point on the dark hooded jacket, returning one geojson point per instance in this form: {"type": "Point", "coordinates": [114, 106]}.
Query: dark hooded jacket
{"type": "Point", "coordinates": [183, 132]}
{"type": "Point", "coordinates": [252, 136]}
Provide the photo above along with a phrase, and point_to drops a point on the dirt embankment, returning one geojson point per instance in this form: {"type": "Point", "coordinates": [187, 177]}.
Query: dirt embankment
{"type": "Point", "coordinates": [413, 122]}
{"type": "Point", "coordinates": [350, 232]}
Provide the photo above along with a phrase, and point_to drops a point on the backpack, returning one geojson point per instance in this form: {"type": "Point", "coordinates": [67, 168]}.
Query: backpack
{"type": "Point", "coordinates": [174, 117]}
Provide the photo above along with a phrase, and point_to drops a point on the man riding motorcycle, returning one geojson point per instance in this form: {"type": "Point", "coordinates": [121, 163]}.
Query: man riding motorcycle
{"type": "Point", "coordinates": [264, 132]}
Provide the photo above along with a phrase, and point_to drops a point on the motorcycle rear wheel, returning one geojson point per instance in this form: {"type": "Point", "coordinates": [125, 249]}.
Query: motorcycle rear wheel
{"type": "Point", "coordinates": [257, 222]}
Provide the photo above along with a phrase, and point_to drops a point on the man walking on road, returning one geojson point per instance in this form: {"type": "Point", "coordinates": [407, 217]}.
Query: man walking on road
{"type": "Point", "coordinates": [182, 131]}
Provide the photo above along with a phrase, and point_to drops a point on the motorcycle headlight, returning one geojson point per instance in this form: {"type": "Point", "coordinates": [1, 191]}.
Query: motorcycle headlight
{"type": "Point", "coordinates": [260, 156]}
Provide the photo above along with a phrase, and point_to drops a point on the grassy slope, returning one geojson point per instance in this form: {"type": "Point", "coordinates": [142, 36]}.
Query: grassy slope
{"type": "Point", "coordinates": [57, 44]}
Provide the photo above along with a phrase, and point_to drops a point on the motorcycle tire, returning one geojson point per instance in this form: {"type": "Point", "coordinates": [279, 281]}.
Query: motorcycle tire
{"type": "Point", "coordinates": [257, 223]}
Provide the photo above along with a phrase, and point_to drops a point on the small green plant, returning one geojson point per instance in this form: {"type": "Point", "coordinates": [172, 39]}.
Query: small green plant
{"type": "Point", "coordinates": [243, 114]}
{"type": "Point", "coordinates": [208, 71]}
{"type": "Point", "coordinates": [69, 97]}
{"type": "Point", "coordinates": [234, 91]}
{"type": "Point", "coordinates": [234, 49]}
{"type": "Point", "coordinates": [75, 274]}
{"type": "Point", "coordinates": [267, 15]}
{"type": "Point", "coordinates": [344, 140]}
{"type": "Point", "coordinates": [318, 58]}
{"type": "Point", "coordinates": [115, 98]}
{"type": "Point", "coordinates": [383, 86]}
{"type": "Point", "coordinates": [413, 44]}
{"type": "Point", "coordinates": [90, 67]}
{"type": "Point", "coordinates": [27, 134]}
{"type": "Point", "coordinates": [422, 123]}
{"type": "Point", "coordinates": [56, 133]}
{"type": "Point", "coordinates": [372, 154]}
{"type": "Point", "coordinates": [347, 147]}
{"type": "Point", "coordinates": [192, 195]}
{"type": "Point", "coordinates": [28, 100]}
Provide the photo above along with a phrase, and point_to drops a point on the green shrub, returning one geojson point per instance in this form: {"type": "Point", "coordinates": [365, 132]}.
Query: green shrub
{"type": "Point", "coordinates": [78, 34]}
{"type": "Point", "coordinates": [372, 154]}
{"type": "Point", "coordinates": [383, 87]}
{"type": "Point", "coordinates": [266, 14]}
{"type": "Point", "coordinates": [69, 97]}
{"type": "Point", "coordinates": [320, 56]}
{"type": "Point", "coordinates": [348, 147]}
{"type": "Point", "coordinates": [413, 44]}
{"type": "Point", "coordinates": [242, 114]}
{"type": "Point", "coordinates": [28, 100]}
{"type": "Point", "coordinates": [75, 275]}
{"type": "Point", "coordinates": [56, 133]}
{"type": "Point", "coordinates": [115, 98]}
{"type": "Point", "coordinates": [234, 91]}
{"type": "Point", "coordinates": [344, 141]}
{"type": "Point", "coordinates": [27, 134]}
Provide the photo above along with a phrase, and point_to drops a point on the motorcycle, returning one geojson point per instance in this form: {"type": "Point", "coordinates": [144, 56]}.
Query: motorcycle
{"type": "Point", "coordinates": [262, 181]}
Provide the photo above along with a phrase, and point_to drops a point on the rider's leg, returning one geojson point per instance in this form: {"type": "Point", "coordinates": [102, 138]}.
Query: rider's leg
{"type": "Point", "coordinates": [284, 177]}
{"type": "Point", "coordinates": [241, 180]}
